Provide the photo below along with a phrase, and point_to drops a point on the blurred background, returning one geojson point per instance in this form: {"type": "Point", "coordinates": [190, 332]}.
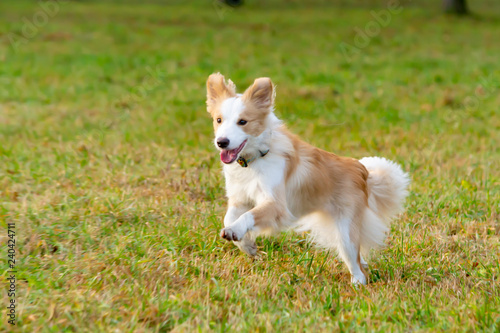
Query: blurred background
{"type": "Point", "coordinates": [129, 56]}
{"type": "Point", "coordinates": [107, 164]}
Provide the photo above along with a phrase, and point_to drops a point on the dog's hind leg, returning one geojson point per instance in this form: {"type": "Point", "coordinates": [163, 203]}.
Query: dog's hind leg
{"type": "Point", "coordinates": [333, 230]}
{"type": "Point", "coordinates": [349, 250]}
{"type": "Point", "coordinates": [363, 262]}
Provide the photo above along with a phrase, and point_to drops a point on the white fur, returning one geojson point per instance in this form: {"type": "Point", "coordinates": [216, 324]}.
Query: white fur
{"type": "Point", "coordinates": [242, 225]}
{"type": "Point", "coordinates": [256, 183]}
{"type": "Point", "coordinates": [388, 185]}
{"type": "Point", "coordinates": [231, 110]}
{"type": "Point", "coordinates": [347, 251]}
{"type": "Point", "coordinates": [334, 234]}
{"type": "Point", "coordinates": [233, 213]}
{"type": "Point", "coordinates": [247, 241]}
{"type": "Point", "coordinates": [254, 186]}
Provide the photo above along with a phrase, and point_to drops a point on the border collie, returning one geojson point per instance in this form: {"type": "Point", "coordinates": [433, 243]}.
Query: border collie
{"type": "Point", "coordinates": [276, 181]}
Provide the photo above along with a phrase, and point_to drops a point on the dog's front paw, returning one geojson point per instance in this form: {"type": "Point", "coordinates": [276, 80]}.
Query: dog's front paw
{"type": "Point", "coordinates": [230, 235]}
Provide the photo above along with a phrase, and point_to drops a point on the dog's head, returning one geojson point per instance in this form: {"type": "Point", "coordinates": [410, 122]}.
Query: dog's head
{"type": "Point", "coordinates": [239, 119]}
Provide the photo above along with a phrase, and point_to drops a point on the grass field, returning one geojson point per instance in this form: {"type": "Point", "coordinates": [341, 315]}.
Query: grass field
{"type": "Point", "coordinates": [108, 169]}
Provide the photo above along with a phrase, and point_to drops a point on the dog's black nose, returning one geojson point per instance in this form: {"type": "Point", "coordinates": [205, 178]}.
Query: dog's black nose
{"type": "Point", "coordinates": [223, 142]}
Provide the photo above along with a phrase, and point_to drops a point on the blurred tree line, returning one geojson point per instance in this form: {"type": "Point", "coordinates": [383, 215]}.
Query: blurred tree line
{"type": "Point", "coordinates": [450, 6]}
{"type": "Point", "coordinates": [455, 6]}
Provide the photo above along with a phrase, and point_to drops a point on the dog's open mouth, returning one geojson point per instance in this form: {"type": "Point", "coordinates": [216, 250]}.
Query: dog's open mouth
{"type": "Point", "coordinates": [229, 156]}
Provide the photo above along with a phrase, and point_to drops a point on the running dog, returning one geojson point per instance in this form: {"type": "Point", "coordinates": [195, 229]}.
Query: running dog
{"type": "Point", "coordinates": [276, 181]}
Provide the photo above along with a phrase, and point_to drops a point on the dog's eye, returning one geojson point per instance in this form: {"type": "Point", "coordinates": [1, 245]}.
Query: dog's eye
{"type": "Point", "coordinates": [242, 122]}
{"type": "Point", "coordinates": [219, 120]}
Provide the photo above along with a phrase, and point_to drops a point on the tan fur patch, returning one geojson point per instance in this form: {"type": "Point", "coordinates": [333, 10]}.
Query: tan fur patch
{"type": "Point", "coordinates": [272, 215]}
{"type": "Point", "coordinates": [216, 114]}
{"type": "Point", "coordinates": [268, 212]}
{"type": "Point", "coordinates": [291, 158]}
{"type": "Point", "coordinates": [258, 99]}
{"type": "Point", "coordinates": [335, 184]}
{"type": "Point", "coordinates": [332, 178]}
{"type": "Point", "coordinates": [260, 93]}
{"type": "Point", "coordinates": [256, 119]}
{"type": "Point", "coordinates": [217, 91]}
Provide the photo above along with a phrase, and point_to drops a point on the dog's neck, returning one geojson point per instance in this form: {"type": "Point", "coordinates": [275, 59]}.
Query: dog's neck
{"type": "Point", "coordinates": [244, 162]}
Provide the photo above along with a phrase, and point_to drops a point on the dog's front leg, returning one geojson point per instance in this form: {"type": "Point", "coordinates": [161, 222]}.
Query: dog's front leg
{"type": "Point", "coordinates": [234, 211]}
{"type": "Point", "coordinates": [247, 243]}
{"type": "Point", "coordinates": [264, 216]}
{"type": "Point", "coordinates": [235, 231]}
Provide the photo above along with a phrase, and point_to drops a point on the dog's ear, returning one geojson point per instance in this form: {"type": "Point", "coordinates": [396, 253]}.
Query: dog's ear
{"type": "Point", "coordinates": [261, 93]}
{"type": "Point", "coordinates": [218, 89]}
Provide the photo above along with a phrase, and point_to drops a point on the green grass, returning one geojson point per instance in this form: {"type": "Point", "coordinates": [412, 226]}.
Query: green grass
{"type": "Point", "coordinates": [108, 170]}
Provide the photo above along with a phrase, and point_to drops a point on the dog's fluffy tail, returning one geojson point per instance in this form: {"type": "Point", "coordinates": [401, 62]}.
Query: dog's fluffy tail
{"type": "Point", "coordinates": [387, 190]}
{"type": "Point", "coordinates": [387, 186]}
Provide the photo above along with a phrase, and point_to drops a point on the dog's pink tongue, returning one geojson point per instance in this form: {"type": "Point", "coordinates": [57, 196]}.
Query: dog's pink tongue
{"type": "Point", "coordinates": [228, 156]}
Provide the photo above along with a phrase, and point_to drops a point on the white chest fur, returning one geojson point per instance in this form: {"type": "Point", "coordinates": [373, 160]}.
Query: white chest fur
{"type": "Point", "coordinates": [257, 182]}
